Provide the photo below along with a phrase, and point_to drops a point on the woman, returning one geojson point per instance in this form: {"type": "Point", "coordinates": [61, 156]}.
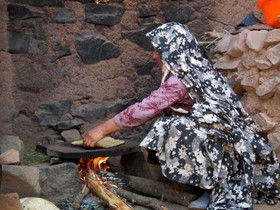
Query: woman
{"type": "Point", "coordinates": [211, 142]}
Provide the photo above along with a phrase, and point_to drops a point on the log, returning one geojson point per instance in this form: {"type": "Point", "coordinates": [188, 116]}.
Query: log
{"type": "Point", "coordinates": [79, 198]}
{"type": "Point", "coordinates": [138, 207]}
{"type": "Point", "coordinates": [109, 198]}
{"type": "Point", "coordinates": [149, 202]}
{"type": "Point", "coordinates": [151, 187]}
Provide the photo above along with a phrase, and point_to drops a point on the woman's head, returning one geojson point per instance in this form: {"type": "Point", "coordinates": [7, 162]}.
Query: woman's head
{"type": "Point", "coordinates": [177, 46]}
{"type": "Point", "coordinates": [171, 38]}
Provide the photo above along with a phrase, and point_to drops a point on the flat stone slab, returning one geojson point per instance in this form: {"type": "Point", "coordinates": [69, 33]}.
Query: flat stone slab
{"type": "Point", "coordinates": [68, 151]}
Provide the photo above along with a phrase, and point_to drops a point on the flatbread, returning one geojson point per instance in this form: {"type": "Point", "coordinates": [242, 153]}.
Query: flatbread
{"type": "Point", "coordinates": [109, 142]}
{"type": "Point", "coordinates": [78, 143]}
{"type": "Point", "coordinates": [106, 142]}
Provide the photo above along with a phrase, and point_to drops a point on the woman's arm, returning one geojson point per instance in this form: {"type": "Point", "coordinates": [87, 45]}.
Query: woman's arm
{"type": "Point", "coordinates": [171, 91]}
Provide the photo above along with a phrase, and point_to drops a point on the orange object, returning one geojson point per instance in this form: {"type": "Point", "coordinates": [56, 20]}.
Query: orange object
{"type": "Point", "coordinates": [271, 12]}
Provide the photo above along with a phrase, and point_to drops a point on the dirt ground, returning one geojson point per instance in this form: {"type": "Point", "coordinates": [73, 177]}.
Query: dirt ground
{"type": "Point", "coordinates": [267, 207]}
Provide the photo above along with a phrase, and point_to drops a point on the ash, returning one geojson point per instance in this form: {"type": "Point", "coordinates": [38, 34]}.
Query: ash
{"type": "Point", "coordinates": [90, 202]}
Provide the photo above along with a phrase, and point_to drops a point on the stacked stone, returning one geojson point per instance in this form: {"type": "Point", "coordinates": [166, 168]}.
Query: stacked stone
{"type": "Point", "coordinates": [45, 181]}
{"type": "Point", "coordinates": [251, 63]}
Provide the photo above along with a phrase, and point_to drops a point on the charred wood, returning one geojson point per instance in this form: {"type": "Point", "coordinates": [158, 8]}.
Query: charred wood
{"type": "Point", "coordinates": [150, 187]}
{"type": "Point", "coordinates": [79, 198]}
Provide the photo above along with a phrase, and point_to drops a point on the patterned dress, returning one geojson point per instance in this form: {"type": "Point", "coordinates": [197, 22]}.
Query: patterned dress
{"type": "Point", "coordinates": [216, 145]}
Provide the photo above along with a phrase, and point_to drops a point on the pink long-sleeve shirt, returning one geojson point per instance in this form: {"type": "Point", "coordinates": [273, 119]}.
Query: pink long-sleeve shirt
{"type": "Point", "coordinates": [171, 93]}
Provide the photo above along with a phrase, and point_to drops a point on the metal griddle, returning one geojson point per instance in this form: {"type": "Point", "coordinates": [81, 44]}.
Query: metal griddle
{"type": "Point", "coordinates": [68, 151]}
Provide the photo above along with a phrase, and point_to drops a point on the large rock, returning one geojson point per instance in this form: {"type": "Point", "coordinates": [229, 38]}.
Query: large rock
{"type": "Point", "coordinates": [8, 143]}
{"type": "Point", "coordinates": [10, 157]}
{"type": "Point", "coordinates": [68, 124]}
{"type": "Point", "coordinates": [223, 45]}
{"type": "Point", "coordinates": [139, 37]}
{"type": "Point", "coordinates": [51, 113]}
{"type": "Point", "coordinates": [273, 37]}
{"type": "Point", "coordinates": [61, 179]}
{"type": "Point", "coordinates": [71, 135]}
{"type": "Point", "coordinates": [255, 39]}
{"type": "Point", "coordinates": [92, 112]}
{"type": "Point", "coordinates": [57, 3]}
{"type": "Point", "coordinates": [64, 15]}
{"type": "Point", "coordinates": [52, 139]}
{"type": "Point", "coordinates": [39, 32]}
{"type": "Point", "coordinates": [237, 44]}
{"type": "Point", "coordinates": [145, 11]}
{"type": "Point", "coordinates": [18, 42]}
{"type": "Point", "coordinates": [23, 180]}
{"type": "Point", "coordinates": [267, 88]}
{"type": "Point", "coordinates": [273, 54]}
{"type": "Point", "coordinates": [263, 63]}
{"type": "Point", "coordinates": [96, 112]}
{"type": "Point", "coordinates": [93, 47]}
{"type": "Point", "coordinates": [30, 79]}
{"type": "Point", "coordinates": [250, 82]}
{"type": "Point", "coordinates": [10, 201]}
{"type": "Point", "coordinates": [177, 13]}
{"type": "Point", "coordinates": [21, 12]}
{"type": "Point", "coordinates": [103, 14]}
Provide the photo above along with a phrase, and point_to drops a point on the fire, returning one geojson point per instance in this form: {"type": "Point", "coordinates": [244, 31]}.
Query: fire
{"type": "Point", "coordinates": [90, 165]}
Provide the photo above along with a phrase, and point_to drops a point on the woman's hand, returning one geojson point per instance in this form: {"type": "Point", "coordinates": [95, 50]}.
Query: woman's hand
{"type": "Point", "coordinates": [99, 132]}
{"type": "Point", "coordinates": [93, 136]}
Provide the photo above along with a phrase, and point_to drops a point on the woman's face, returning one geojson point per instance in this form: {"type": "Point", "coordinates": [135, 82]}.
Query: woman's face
{"type": "Point", "coordinates": [157, 58]}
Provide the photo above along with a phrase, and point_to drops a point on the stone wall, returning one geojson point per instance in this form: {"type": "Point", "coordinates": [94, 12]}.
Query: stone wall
{"type": "Point", "coordinates": [68, 65]}
{"type": "Point", "coordinates": [251, 62]}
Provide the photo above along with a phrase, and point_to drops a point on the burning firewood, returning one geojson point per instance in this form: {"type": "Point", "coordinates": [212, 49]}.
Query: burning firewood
{"type": "Point", "coordinates": [140, 191]}
{"type": "Point", "coordinates": [109, 198]}
{"type": "Point", "coordinates": [151, 187]}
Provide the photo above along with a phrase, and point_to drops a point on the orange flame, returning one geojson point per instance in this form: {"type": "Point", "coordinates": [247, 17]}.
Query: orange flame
{"type": "Point", "coordinates": [92, 164]}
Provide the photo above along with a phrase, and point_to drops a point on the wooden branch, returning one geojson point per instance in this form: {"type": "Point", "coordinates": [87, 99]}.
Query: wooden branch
{"type": "Point", "coordinates": [159, 190]}
{"type": "Point", "coordinates": [149, 202]}
{"type": "Point", "coordinates": [109, 198]}
{"type": "Point", "coordinates": [79, 198]}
